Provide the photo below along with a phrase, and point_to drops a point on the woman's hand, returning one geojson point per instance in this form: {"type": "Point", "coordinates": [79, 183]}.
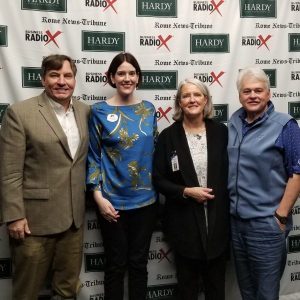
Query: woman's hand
{"type": "Point", "coordinates": [200, 194]}
{"type": "Point", "coordinates": [106, 209]}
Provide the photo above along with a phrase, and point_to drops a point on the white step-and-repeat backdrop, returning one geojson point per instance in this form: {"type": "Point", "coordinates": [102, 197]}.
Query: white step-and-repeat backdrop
{"type": "Point", "coordinates": [172, 39]}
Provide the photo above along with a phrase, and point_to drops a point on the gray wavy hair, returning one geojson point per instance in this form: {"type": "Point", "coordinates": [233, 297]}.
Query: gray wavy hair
{"type": "Point", "coordinates": [208, 109]}
{"type": "Point", "coordinates": [252, 72]}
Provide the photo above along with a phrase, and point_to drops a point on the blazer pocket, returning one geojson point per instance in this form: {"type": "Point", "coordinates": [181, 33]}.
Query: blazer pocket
{"type": "Point", "coordinates": [36, 193]}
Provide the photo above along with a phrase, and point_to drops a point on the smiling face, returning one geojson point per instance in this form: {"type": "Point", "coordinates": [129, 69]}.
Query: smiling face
{"type": "Point", "coordinates": [192, 101]}
{"type": "Point", "coordinates": [60, 84]}
{"type": "Point", "coordinates": [254, 97]}
{"type": "Point", "coordinates": [125, 79]}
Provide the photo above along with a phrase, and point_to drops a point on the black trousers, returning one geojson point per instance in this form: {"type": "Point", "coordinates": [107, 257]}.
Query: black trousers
{"type": "Point", "coordinates": [194, 275]}
{"type": "Point", "coordinates": [126, 245]}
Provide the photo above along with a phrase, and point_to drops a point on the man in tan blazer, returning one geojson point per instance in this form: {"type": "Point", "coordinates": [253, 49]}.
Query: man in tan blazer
{"type": "Point", "coordinates": [43, 148]}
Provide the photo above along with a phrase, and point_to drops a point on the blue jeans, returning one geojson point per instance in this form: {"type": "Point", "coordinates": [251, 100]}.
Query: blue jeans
{"type": "Point", "coordinates": [259, 249]}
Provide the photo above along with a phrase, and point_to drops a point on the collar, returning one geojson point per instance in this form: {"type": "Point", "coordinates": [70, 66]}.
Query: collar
{"type": "Point", "coordinates": [59, 107]}
{"type": "Point", "coordinates": [263, 116]}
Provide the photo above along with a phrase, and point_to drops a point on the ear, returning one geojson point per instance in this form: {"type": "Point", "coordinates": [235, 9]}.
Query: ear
{"type": "Point", "coordinates": [43, 81]}
{"type": "Point", "coordinates": [112, 78]}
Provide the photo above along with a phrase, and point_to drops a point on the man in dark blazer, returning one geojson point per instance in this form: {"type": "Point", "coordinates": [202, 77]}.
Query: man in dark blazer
{"type": "Point", "coordinates": [43, 149]}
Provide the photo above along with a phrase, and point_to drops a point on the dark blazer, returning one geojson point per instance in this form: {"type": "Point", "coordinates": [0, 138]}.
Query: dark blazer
{"type": "Point", "coordinates": [39, 179]}
{"type": "Point", "coordinates": [184, 218]}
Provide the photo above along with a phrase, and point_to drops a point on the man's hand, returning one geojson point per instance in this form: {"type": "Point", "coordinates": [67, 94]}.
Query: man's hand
{"type": "Point", "coordinates": [18, 229]}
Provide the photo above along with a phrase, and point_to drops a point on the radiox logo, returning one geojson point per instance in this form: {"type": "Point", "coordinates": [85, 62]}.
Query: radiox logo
{"type": "Point", "coordinates": [259, 41]}
{"type": "Point", "coordinates": [295, 6]}
{"type": "Point", "coordinates": [158, 42]}
{"type": "Point", "coordinates": [163, 113]}
{"type": "Point", "coordinates": [105, 4]}
{"type": "Point", "coordinates": [160, 255]}
{"type": "Point", "coordinates": [211, 78]}
{"type": "Point", "coordinates": [258, 8]}
{"type": "Point", "coordinates": [209, 6]}
{"type": "Point", "coordinates": [46, 37]}
{"type": "Point", "coordinates": [295, 75]}
{"type": "Point", "coordinates": [156, 8]}
{"type": "Point", "coordinates": [45, 5]}
{"type": "Point", "coordinates": [96, 77]}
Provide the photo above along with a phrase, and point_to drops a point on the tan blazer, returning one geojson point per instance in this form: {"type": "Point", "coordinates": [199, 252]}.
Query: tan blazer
{"type": "Point", "coordinates": [39, 180]}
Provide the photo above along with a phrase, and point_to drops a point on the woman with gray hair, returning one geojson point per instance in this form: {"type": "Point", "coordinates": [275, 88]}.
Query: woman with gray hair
{"type": "Point", "coordinates": [190, 170]}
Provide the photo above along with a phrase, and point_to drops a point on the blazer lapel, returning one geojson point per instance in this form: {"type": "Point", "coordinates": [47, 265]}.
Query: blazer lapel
{"type": "Point", "coordinates": [211, 157]}
{"type": "Point", "coordinates": [50, 117]}
{"type": "Point", "coordinates": [186, 164]}
{"type": "Point", "coordinates": [79, 120]}
{"type": "Point", "coordinates": [189, 176]}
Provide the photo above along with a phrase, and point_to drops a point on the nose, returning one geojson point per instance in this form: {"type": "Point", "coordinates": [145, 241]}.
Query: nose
{"type": "Point", "coordinates": [61, 80]}
{"type": "Point", "coordinates": [253, 94]}
{"type": "Point", "coordinates": [126, 77]}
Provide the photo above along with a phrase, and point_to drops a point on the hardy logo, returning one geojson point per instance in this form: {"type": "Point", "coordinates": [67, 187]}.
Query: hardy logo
{"type": "Point", "coordinates": [103, 41]}
{"type": "Point", "coordinates": [209, 78]}
{"type": "Point", "coordinates": [258, 8]}
{"type": "Point", "coordinates": [153, 41]}
{"type": "Point", "coordinates": [45, 5]}
{"type": "Point", "coordinates": [272, 76]}
{"type": "Point", "coordinates": [209, 43]}
{"type": "Point", "coordinates": [157, 8]}
{"type": "Point", "coordinates": [39, 36]}
{"type": "Point", "coordinates": [3, 36]}
{"type": "Point", "coordinates": [5, 268]}
{"type": "Point", "coordinates": [96, 77]}
{"type": "Point", "coordinates": [211, 6]}
{"type": "Point", "coordinates": [93, 224]}
{"type": "Point", "coordinates": [295, 276]}
{"type": "Point", "coordinates": [294, 42]}
{"type": "Point", "coordinates": [161, 292]}
{"type": "Point", "coordinates": [295, 75]}
{"type": "Point", "coordinates": [159, 80]}
{"type": "Point", "coordinates": [294, 243]}
{"type": "Point", "coordinates": [294, 111]}
{"type": "Point", "coordinates": [161, 113]}
{"type": "Point", "coordinates": [31, 77]}
{"type": "Point", "coordinates": [253, 41]}
{"type": "Point", "coordinates": [159, 255]}
{"type": "Point", "coordinates": [220, 112]}
{"type": "Point", "coordinates": [3, 107]}
{"type": "Point", "coordinates": [94, 262]}
{"type": "Point", "coordinates": [296, 209]}
{"type": "Point", "coordinates": [295, 6]}
{"type": "Point", "coordinates": [97, 297]}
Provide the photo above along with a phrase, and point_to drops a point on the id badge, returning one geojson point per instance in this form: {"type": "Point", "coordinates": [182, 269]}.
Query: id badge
{"type": "Point", "coordinates": [174, 162]}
